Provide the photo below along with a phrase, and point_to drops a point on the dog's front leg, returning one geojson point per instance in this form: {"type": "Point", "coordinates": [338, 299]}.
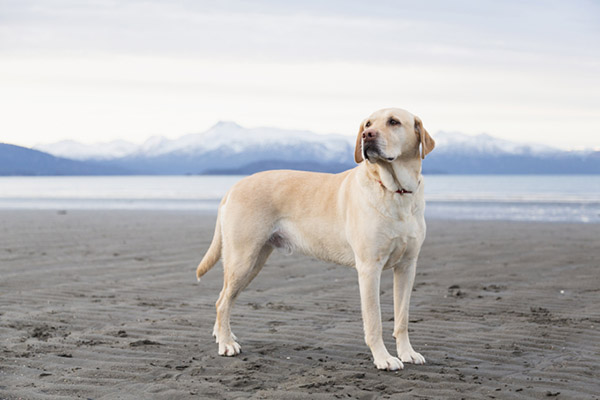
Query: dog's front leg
{"type": "Point", "coordinates": [404, 277]}
{"type": "Point", "coordinates": [368, 279]}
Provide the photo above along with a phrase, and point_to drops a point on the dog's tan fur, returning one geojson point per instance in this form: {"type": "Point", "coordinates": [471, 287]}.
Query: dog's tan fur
{"type": "Point", "coordinates": [354, 218]}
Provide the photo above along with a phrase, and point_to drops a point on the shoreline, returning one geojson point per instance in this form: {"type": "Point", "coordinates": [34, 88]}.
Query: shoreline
{"type": "Point", "coordinates": [431, 213]}
{"type": "Point", "coordinates": [450, 197]}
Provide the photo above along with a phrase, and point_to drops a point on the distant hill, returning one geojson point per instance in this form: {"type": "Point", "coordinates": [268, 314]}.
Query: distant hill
{"type": "Point", "coordinates": [228, 148]}
{"type": "Point", "coordinates": [16, 160]}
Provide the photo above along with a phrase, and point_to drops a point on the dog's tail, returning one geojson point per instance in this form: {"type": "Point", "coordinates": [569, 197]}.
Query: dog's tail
{"type": "Point", "coordinates": [214, 251]}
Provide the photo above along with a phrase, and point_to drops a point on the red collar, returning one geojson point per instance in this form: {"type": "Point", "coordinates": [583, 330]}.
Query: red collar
{"type": "Point", "coordinates": [401, 191]}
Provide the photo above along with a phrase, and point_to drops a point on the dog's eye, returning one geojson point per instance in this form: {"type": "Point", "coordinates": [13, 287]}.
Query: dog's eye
{"type": "Point", "coordinates": [368, 124]}
{"type": "Point", "coordinates": [393, 122]}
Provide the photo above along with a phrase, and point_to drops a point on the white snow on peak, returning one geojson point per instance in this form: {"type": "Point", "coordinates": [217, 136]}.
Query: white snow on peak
{"type": "Point", "coordinates": [152, 146]}
{"type": "Point", "coordinates": [231, 136]}
{"type": "Point", "coordinates": [79, 151]}
{"type": "Point", "coordinates": [454, 142]}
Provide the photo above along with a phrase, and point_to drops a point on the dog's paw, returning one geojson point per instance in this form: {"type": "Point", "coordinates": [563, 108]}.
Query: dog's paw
{"type": "Point", "coordinates": [389, 363]}
{"type": "Point", "coordinates": [216, 335]}
{"type": "Point", "coordinates": [412, 357]}
{"type": "Point", "coordinates": [229, 349]}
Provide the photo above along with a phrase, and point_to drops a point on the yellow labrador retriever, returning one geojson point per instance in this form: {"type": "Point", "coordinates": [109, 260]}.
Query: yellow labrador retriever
{"type": "Point", "coordinates": [370, 217]}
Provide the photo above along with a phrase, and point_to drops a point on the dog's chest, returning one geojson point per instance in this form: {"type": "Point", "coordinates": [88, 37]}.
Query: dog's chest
{"type": "Point", "coordinates": [404, 239]}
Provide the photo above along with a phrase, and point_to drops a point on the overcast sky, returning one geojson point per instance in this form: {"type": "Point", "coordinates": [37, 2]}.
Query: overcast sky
{"type": "Point", "coordinates": [96, 71]}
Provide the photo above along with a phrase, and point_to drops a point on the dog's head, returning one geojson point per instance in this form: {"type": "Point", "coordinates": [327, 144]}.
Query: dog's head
{"type": "Point", "coordinates": [390, 134]}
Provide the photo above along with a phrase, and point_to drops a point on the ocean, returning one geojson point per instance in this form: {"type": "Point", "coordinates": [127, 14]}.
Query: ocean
{"type": "Point", "coordinates": [550, 198]}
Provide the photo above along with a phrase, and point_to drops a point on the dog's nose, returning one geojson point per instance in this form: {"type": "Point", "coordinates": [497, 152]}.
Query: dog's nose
{"type": "Point", "coordinates": [369, 134]}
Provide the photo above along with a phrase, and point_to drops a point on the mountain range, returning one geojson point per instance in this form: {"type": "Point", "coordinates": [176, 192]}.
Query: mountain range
{"type": "Point", "coordinates": [17, 160]}
{"type": "Point", "coordinates": [228, 148]}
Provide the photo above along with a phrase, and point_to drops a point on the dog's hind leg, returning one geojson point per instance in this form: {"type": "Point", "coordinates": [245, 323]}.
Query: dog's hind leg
{"type": "Point", "coordinates": [240, 269]}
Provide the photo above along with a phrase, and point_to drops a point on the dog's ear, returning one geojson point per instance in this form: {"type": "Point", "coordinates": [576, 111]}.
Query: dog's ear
{"type": "Point", "coordinates": [427, 142]}
{"type": "Point", "coordinates": [358, 157]}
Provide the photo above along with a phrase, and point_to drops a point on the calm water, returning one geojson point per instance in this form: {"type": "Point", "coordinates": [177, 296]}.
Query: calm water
{"type": "Point", "coordinates": [523, 198]}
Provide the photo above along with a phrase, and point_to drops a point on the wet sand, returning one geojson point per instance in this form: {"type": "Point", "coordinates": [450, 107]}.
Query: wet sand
{"type": "Point", "coordinates": [100, 304]}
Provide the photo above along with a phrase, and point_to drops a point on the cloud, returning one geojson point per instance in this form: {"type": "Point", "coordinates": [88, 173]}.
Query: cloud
{"type": "Point", "coordinates": [105, 69]}
{"type": "Point", "coordinates": [384, 31]}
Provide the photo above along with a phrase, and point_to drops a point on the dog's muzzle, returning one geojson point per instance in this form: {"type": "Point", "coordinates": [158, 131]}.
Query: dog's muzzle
{"type": "Point", "coordinates": [371, 150]}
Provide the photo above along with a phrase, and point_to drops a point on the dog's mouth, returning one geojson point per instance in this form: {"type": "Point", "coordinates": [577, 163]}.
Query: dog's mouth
{"type": "Point", "coordinates": [372, 153]}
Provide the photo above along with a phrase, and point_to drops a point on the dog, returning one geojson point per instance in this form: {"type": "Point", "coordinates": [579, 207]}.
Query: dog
{"type": "Point", "coordinates": [370, 217]}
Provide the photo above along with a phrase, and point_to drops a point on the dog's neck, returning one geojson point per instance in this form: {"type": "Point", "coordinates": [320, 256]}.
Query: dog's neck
{"type": "Point", "coordinates": [401, 176]}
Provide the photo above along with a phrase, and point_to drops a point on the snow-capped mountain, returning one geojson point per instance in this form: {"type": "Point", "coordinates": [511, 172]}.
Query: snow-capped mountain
{"type": "Point", "coordinates": [230, 148]}
{"type": "Point", "coordinates": [234, 138]}
{"type": "Point", "coordinates": [224, 136]}
{"type": "Point", "coordinates": [79, 151]}
{"type": "Point", "coordinates": [454, 142]}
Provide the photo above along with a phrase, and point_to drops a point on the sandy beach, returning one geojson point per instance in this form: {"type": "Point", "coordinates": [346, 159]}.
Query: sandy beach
{"type": "Point", "coordinates": [105, 305]}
